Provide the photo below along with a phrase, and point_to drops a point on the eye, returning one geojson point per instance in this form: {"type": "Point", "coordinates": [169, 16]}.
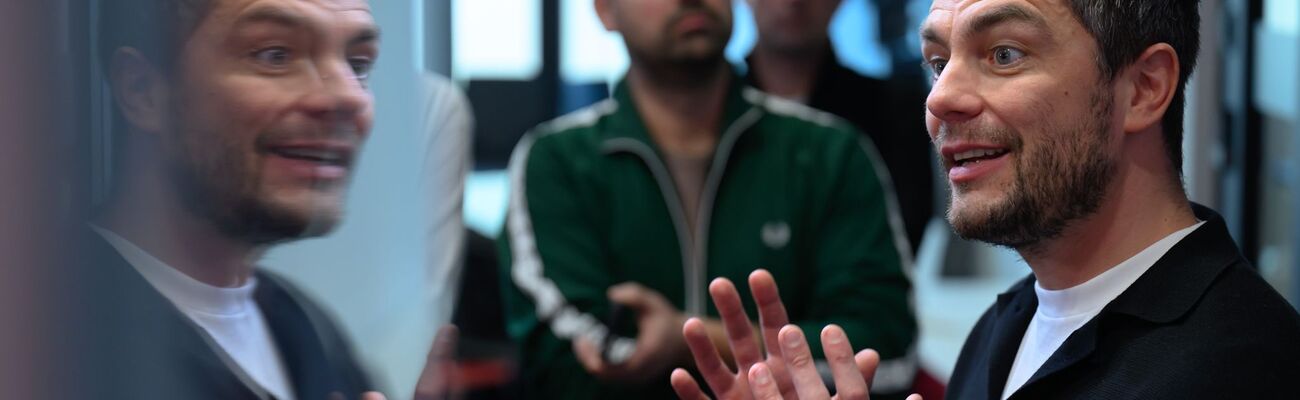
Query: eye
{"type": "Point", "coordinates": [1005, 56]}
{"type": "Point", "coordinates": [935, 66]}
{"type": "Point", "coordinates": [361, 67]}
{"type": "Point", "coordinates": [272, 56]}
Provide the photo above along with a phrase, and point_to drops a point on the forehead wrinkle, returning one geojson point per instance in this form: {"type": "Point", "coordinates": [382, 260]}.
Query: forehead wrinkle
{"type": "Point", "coordinates": [1004, 14]}
{"type": "Point", "coordinates": [293, 17]}
{"type": "Point", "coordinates": [270, 14]}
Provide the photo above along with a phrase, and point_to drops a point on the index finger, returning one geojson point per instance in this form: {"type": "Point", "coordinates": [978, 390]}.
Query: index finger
{"type": "Point", "coordinates": [740, 334]}
{"type": "Point", "coordinates": [707, 360]}
{"type": "Point", "coordinates": [771, 311]}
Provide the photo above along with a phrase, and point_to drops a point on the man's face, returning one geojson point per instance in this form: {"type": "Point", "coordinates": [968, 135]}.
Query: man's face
{"type": "Point", "coordinates": [1021, 117]}
{"type": "Point", "coordinates": [269, 108]}
{"type": "Point", "coordinates": [672, 31]}
{"type": "Point", "coordinates": [793, 25]}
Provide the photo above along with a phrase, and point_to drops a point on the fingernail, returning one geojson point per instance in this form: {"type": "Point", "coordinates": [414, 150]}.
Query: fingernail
{"type": "Point", "coordinates": [762, 376]}
{"type": "Point", "coordinates": [791, 340]}
{"type": "Point", "coordinates": [834, 336]}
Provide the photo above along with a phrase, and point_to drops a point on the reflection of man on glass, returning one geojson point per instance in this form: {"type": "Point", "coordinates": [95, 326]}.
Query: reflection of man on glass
{"type": "Point", "coordinates": [1059, 124]}
{"type": "Point", "coordinates": [241, 124]}
{"type": "Point", "coordinates": [682, 176]}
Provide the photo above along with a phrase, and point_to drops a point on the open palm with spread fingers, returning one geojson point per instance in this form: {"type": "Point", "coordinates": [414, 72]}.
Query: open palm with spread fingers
{"type": "Point", "coordinates": [787, 370]}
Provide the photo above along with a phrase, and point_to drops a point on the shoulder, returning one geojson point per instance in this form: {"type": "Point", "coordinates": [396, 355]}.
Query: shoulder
{"type": "Point", "coordinates": [575, 134]}
{"type": "Point", "coordinates": [1241, 301]}
{"type": "Point", "coordinates": [588, 120]}
{"type": "Point", "coordinates": [795, 126]}
{"type": "Point", "coordinates": [789, 113]}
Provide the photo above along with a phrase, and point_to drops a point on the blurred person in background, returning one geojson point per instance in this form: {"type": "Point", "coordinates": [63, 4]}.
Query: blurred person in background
{"type": "Point", "coordinates": [620, 213]}
{"type": "Point", "coordinates": [448, 133]}
{"type": "Point", "coordinates": [240, 121]}
{"type": "Point", "coordinates": [794, 59]}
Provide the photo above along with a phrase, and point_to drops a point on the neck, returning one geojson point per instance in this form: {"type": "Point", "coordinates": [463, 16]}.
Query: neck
{"type": "Point", "coordinates": [152, 217]}
{"type": "Point", "coordinates": [682, 115]}
{"type": "Point", "coordinates": [1133, 217]}
{"type": "Point", "coordinates": [787, 73]}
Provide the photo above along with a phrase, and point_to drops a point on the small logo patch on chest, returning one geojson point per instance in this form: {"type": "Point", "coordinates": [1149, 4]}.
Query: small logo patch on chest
{"type": "Point", "coordinates": [776, 234]}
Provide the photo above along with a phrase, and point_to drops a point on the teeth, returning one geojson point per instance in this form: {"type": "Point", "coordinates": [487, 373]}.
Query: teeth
{"type": "Point", "coordinates": [315, 154]}
{"type": "Point", "coordinates": [977, 153]}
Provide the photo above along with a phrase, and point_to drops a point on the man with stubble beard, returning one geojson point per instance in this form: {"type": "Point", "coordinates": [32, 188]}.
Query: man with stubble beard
{"type": "Point", "coordinates": [239, 123]}
{"type": "Point", "coordinates": [1059, 124]}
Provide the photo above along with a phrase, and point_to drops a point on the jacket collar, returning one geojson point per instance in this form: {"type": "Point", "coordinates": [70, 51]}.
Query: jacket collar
{"type": "Point", "coordinates": [1162, 295]}
{"type": "Point", "coordinates": [154, 326]}
{"type": "Point", "coordinates": [1170, 288]}
{"type": "Point", "coordinates": [626, 121]}
{"type": "Point", "coordinates": [1014, 309]}
{"type": "Point", "coordinates": [296, 335]}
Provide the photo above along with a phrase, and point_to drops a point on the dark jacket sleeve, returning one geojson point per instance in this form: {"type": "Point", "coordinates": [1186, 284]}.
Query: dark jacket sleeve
{"type": "Point", "coordinates": [861, 284]}
{"type": "Point", "coordinates": [554, 275]}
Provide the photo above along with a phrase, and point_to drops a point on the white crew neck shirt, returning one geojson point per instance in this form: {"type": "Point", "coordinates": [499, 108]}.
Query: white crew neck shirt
{"type": "Point", "coordinates": [1061, 312]}
{"type": "Point", "coordinates": [228, 315]}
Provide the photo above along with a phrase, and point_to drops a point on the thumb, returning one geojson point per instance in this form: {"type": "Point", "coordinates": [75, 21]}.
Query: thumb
{"type": "Point", "coordinates": [634, 296]}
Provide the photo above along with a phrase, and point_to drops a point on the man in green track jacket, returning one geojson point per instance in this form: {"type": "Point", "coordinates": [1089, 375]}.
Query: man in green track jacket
{"type": "Point", "coordinates": [681, 177]}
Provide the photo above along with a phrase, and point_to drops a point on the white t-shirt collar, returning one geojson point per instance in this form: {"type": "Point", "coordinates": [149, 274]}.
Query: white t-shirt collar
{"type": "Point", "coordinates": [186, 292]}
{"type": "Point", "coordinates": [1091, 296]}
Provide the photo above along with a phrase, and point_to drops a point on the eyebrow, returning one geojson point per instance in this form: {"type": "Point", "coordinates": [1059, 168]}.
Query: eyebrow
{"type": "Point", "coordinates": [1002, 15]}
{"type": "Point", "coordinates": [928, 34]}
{"type": "Point", "coordinates": [369, 34]}
{"type": "Point", "coordinates": [286, 19]}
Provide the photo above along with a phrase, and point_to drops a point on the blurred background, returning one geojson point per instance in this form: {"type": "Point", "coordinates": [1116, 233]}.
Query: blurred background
{"type": "Point", "coordinates": [522, 62]}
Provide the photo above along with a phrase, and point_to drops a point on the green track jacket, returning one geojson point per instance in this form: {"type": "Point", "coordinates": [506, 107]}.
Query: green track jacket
{"type": "Point", "coordinates": [790, 189]}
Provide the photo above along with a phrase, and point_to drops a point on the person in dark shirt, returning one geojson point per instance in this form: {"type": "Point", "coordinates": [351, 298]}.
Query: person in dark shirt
{"type": "Point", "coordinates": [793, 58]}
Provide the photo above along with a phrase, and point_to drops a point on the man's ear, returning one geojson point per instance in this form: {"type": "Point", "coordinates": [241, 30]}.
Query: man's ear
{"type": "Point", "coordinates": [139, 89]}
{"type": "Point", "coordinates": [606, 15]}
{"type": "Point", "coordinates": [1153, 79]}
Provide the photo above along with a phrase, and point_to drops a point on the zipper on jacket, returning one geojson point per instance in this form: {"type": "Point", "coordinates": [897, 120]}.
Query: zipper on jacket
{"type": "Point", "coordinates": [705, 212]}
{"type": "Point", "coordinates": [694, 265]}
{"type": "Point", "coordinates": [673, 201]}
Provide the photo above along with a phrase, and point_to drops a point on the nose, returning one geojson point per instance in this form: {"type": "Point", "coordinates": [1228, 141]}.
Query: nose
{"type": "Point", "coordinates": [337, 96]}
{"type": "Point", "coordinates": [954, 98]}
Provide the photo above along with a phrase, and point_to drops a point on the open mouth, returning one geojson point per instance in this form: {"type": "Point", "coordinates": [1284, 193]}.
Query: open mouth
{"type": "Point", "coordinates": [971, 157]}
{"type": "Point", "coordinates": [319, 155]}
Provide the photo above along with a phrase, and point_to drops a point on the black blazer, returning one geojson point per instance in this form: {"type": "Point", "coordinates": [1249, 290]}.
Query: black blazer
{"type": "Point", "coordinates": [1200, 324]}
{"type": "Point", "coordinates": [124, 340]}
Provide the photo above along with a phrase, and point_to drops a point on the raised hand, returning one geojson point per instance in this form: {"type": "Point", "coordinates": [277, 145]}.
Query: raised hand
{"type": "Point", "coordinates": [787, 370]}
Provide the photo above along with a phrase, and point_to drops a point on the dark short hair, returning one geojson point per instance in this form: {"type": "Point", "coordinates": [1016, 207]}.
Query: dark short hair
{"type": "Point", "coordinates": [156, 28]}
{"type": "Point", "coordinates": [1126, 28]}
